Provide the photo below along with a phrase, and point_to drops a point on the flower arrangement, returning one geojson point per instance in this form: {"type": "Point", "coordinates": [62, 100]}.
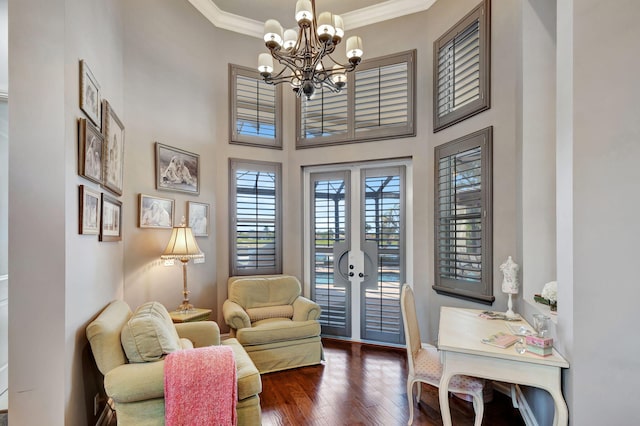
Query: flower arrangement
{"type": "Point", "coordinates": [549, 295]}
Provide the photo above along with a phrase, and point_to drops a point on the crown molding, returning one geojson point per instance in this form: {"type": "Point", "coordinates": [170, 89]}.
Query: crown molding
{"type": "Point", "coordinates": [384, 11]}
{"type": "Point", "coordinates": [389, 9]}
{"type": "Point", "coordinates": [228, 21]}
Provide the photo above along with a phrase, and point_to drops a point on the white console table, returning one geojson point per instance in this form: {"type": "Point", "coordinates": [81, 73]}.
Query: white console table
{"type": "Point", "coordinates": [462, 352]}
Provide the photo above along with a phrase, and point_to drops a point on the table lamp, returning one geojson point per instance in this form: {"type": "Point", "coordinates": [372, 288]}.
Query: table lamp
{"type": "Point", "coordinates": [510, 284]}
{"type": "Point", "coordinates": [182, 246]}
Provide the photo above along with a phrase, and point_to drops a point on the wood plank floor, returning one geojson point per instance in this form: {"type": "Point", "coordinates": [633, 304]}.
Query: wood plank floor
{"type": "Point", "coordinates": [363, 385]}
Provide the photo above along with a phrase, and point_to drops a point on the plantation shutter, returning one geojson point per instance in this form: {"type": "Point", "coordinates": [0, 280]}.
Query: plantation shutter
{"type": "Point", "coordinates": [325, 115]}
{"type": "Point", "coordinates": [255, 109]}
{"type": "Point", "coordinates": [256, 228]}
{"type": "Point", "coordinates": [377, 103]}
{"type": "Point", "coordinates": [461, 69]}
{"type": "Point", "coordinates": [463, 217]}
{"type": "Point", "coordinates": [382, 97]}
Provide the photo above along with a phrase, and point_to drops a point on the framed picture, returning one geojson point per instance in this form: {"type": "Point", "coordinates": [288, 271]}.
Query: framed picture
{"type": "Point", "coordinates": [155, 212]}
{"type": "Point", "coordinates": [198, 218]}
{"type": "Point", "coordinates": [111, 219]}
{"type": "Point", "coordinates": [90, 99]}
{"type": "Point", "coordinates": [90, 142]}
{"type": "Point", "coordinates": [177, 170]}
{"type": "Point", "coordinates": [113, 150]}
{"type": "Point", "coordinates": [89, 211]}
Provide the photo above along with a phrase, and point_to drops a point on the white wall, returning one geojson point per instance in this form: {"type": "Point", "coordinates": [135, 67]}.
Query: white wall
{"type": "Point", "coordinates": [605, 366]}
{"type": "Point", "coordinates": [59, 279]}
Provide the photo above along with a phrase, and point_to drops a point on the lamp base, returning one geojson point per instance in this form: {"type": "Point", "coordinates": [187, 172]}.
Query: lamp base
{"type": "Point", "coordinates": [185, 307]}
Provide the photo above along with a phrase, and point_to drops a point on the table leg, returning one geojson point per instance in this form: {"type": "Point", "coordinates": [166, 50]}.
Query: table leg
{"type": "Point", "coordinates": [561, 415]}
{"type": "Point", "coordinates": [443, 394]}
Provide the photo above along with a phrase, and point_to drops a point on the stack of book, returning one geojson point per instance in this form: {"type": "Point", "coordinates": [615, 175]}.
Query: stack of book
{"type": "Point", "coordinates": [542, 346]}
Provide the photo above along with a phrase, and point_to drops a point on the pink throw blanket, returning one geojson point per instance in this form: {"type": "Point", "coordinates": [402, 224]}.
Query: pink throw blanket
{"type": "Point", "coordinates": [200, 387]}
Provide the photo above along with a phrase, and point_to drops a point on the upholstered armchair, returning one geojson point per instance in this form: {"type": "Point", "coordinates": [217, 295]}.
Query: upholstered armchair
{"type": "Point", "coordinates": [134, 374]}
{"type": "Point", "coordinates": [277, 326]}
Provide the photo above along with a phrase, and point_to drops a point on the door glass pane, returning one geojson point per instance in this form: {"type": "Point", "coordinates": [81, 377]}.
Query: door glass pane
{"type": "Point", "coordinates": [383, 243]}
{"type": "Point", "coordinates": [330, 288]}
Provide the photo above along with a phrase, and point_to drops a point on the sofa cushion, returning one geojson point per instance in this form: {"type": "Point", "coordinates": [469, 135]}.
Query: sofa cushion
{"type": "Point", "coordinates": [149, 334]}
{"type": "Point", "coordinates": [258, 292]}
{"type": "Point", "coordinates": [249, 381]}
{"type": "Point", "coordinates": [277, 330]}
{"type": "Point", "coordinates": [279, 311]}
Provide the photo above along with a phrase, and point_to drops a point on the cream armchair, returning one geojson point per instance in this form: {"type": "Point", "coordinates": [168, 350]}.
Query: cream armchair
{"type": "Point", "coordinates": [277, 326]}
{"type": "Point", "coordinates": [137, 389]}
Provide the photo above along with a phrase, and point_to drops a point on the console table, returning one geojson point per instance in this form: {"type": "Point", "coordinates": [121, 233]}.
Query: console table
{"type": "Point", "coordinates": [462, 352]}
{"type": "Point", "coordinates": [192, 315]}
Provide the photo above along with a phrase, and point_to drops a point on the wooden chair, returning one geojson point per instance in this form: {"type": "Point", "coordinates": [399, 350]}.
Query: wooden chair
{"type": "Point", "coordinates": [424, 362]}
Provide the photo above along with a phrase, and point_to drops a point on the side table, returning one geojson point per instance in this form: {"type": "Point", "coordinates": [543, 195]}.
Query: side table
{"type": "Point", "coordinates": [195, 314]}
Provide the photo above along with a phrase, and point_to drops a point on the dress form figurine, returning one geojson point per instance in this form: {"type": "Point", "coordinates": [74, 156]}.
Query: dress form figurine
{"type": "Point", "coordinates": [510, 283]}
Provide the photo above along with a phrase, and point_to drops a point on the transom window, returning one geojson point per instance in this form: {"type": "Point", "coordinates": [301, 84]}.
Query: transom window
{"type": "Point", "coordinates": [461, 59]}
{"type": "Point", "coordinates": [377, 103]}
{"type": "Point", "coordinates": [255, 109]}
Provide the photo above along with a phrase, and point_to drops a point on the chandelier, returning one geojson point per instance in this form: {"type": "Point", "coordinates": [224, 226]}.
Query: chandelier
{"type": "Point", "coordinates": [305, 54]}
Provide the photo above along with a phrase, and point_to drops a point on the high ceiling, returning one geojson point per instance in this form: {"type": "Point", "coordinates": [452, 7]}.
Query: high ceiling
{"type": "Point", "coordinates": [283, 10]}
{"type": "Point", "coordinates": [248, 16]}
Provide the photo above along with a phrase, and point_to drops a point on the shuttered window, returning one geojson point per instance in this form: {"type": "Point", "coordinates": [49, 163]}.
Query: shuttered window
{"type": "Point", "coordinates": [256, 110]}
{"type": "Point", "coordinates": [255, 204]}
{"type": "Point", "coordinates": [377, 103]}
{"type": "Point", "coordinates": [463, 217]}
{"type": "Point", "coordinates": [461, 69]}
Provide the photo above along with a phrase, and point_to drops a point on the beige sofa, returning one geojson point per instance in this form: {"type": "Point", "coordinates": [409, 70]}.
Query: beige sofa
{"type": "Point", "coordinates": [277, 327]}
{"type": "Point", "coordinates": [137, 388]}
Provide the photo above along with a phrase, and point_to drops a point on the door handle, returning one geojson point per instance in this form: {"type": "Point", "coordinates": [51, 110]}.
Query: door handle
{"type": "Point", "coordinates": [361, 275]}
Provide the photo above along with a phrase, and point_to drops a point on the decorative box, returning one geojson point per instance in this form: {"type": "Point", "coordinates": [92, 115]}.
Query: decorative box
{"type": "Point", "coordinates": [540, 342]}
{"type": "Point", "coordinates": [540, 351]}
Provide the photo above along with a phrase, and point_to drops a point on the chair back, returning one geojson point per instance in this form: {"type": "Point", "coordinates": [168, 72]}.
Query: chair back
{"type": "Point", "coordinates": [411, 327]}
{"type": "Point", "coordinates": [104, 336]}
{"type": "Point", "coordinates": [259, 291]}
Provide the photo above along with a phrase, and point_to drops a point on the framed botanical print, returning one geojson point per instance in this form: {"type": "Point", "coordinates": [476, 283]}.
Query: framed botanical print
{"type": "Point", "coordinates": [111, 219]}
{"type": "Point", "coordinates": [89, 211]}
{"type": "Point", "coordinates": [90, 142]}
{"type": "Point", "coordinates": [198, 218]}
{"type": "Point", "coordinates": [90, 99]}
{"type": "Point", "coordinates": [155, 212]}
{"type": "Point", "coordinates": [113, 150]}
{"type": "Point", "coordinates": [177, 170]}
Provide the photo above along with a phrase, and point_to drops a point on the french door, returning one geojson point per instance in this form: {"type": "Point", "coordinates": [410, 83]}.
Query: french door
{"type": "Point", "coordinates": [356, 262]}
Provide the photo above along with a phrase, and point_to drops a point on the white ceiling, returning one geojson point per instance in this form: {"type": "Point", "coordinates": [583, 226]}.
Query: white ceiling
{"type": "Point", "coordinates": [248, 16]}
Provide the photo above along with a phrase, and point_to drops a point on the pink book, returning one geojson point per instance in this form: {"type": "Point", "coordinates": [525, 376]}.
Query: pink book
{"type": "Point", "coordinates": [501, 340]}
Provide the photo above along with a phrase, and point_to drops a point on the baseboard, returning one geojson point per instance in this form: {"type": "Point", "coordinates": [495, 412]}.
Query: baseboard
{"type": "Point", "coordinates": [519, 401]}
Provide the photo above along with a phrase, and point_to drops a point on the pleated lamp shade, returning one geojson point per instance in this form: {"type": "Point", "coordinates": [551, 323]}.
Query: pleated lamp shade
{"type": "Point", "coordinates": [182, 245]}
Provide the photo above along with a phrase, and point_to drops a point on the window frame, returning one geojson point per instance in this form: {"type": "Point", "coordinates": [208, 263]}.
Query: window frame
{"type": "Point", "coordinates": [482, 14]}
{"type": "Point", "coordinates": [352, 135]}
{"type": "Point", "coordinates": [260, 166]}
{"type": "Point", "coordinates": [457, 287]}
{"type": "Point", "coordinates": [234, 136]}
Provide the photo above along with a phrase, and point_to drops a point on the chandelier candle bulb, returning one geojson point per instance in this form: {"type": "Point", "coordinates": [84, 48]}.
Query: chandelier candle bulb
{"type": "Point", "coordinates": [272, 33]}
{"type": "Point", "coordinates": [338, 24]}
{"type": "Point", "coordinates": [325, 27]}
{"type": "Point", "coordinates": [290, 39]}
{"type": "Point", "coordinates": [304, 12]}
{"type": "Point", "coordinates": [265, 64]}
{"type": "Point", "coordinates": [354, 48]}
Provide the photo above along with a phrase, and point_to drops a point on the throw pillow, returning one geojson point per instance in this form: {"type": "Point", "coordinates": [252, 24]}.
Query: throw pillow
{"type": "Point", "coordinates": [149, 334]}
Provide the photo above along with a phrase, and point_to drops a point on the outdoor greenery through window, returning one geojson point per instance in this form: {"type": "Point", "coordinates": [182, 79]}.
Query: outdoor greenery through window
{"type": "Point", "coordinates": [256, 109]}
{"type": "Point", "coordinates": [463, 194]}
{"type": "Point", "coordinates": [461, 83]}
{"type": "Point", "coordinates": [377, 103]}
{"type": "Point", "coordinates": [255, 204]}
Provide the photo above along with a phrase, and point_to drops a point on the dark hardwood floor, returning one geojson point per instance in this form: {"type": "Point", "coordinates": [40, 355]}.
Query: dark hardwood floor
{"type": "Point", "coordinates": [363, 385]}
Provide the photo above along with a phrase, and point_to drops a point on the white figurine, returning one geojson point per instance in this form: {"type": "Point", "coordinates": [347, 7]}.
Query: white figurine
{"type": "Point", "coordinates": [510, 283]}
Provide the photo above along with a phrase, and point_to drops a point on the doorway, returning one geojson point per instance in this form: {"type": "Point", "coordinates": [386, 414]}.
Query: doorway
{"type": "Point", "coordinates": [355, 247]}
